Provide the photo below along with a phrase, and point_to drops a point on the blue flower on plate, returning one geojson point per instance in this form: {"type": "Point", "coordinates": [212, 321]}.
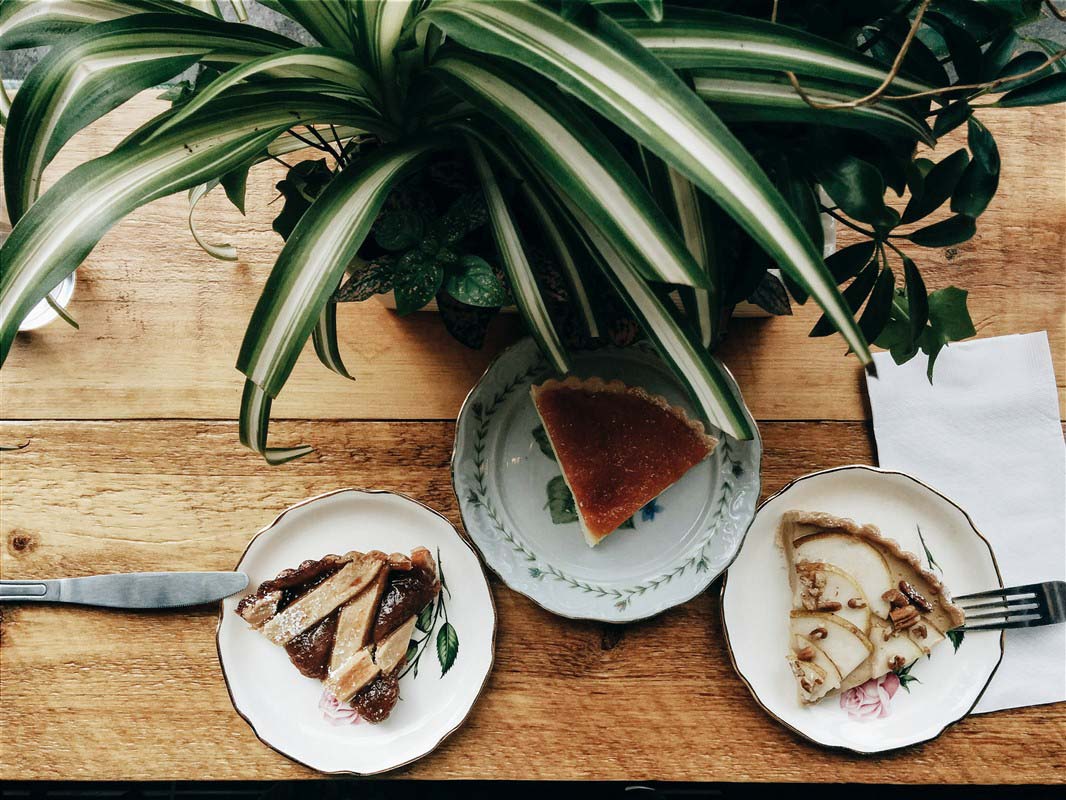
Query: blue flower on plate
{"type": "Point", "coordinates": [647, 514]}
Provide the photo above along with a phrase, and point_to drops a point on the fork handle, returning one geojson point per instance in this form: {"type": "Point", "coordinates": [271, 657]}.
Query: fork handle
{"type": "Point", "coordinates": [39, 591]}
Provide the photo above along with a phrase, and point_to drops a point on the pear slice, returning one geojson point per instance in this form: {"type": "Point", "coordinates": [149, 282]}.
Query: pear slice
{"type": "Point", "coordinates": [833, 677]}
{"type": "Point", "coordinates": [810, 678]}
{"type": "Point", "coordinates": [887, 651]}
{"type": "Point", "coordinates": [837, 586]}
{"type": "Point", "coordinates": [863, 562]}
{"type": "Point", "coordinates": [933, 635]}
{"type": "Point", "coordinates": [843, 644]}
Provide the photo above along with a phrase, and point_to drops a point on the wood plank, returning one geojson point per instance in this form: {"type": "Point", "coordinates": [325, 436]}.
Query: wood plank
{"type": "Point", "coordinates": [162, 322]}
{"type": "Point", "coordinates": [101, 695]}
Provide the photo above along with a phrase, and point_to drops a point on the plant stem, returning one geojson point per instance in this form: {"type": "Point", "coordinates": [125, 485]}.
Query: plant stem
{"type": "Point", "coordinates": [848, 222]}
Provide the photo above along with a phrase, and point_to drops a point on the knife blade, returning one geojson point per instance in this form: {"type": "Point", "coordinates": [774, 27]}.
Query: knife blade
{"type": "Point", "coordinates": [129, 590]}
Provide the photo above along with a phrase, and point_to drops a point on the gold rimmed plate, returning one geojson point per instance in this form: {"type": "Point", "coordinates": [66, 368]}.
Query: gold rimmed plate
{"type": "Point", "coordinates": [447, 669]}
{"type": "Point", "coordinates": [919, 701]}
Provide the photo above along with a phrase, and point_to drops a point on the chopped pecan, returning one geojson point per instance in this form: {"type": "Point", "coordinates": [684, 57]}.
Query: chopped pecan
{"type": "Point", "coordinates": [897, 662]}
{"type": "Point", "coordinates": [915, 596]}
{"type": "Point", "coordinates": [903, 618]}
{"type": "Point", "coordinates": [856, 602]}
{"type": "Point", "coordinates": [895, 598]}
{"type": "Point", "coordinates": [805, 684]}
{"type": "Point", "coordinates": [920, 631]}
{"type": "Point", "coordinates": [806, 654]}
{"type": "Point", "coordinates": [829, 605]}
{"type": "Point", "coordinates": [819, 633]}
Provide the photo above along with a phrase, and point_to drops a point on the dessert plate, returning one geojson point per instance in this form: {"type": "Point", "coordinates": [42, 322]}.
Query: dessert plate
{"type": "Point", "coordinates": [912, 705]}
{"type": "Point", "coordinates": [288, 712]}
{"type": "Point", "coordinates": [518, 511]}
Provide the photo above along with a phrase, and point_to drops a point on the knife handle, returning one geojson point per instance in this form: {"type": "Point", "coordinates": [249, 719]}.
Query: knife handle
{"type": "Point", "coordinates": [29, 591]}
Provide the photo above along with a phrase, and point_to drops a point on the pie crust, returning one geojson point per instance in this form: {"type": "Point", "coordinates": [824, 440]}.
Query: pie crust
{"type": "Point", "coordinates": [619, 447]}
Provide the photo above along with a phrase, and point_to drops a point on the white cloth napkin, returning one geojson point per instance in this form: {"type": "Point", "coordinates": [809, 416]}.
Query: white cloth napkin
{"type": "Point", "coordinates": [987, 434]}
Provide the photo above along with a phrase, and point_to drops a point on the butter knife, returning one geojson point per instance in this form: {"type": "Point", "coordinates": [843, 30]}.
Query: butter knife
{"type": "Point", "coordinates": [129, 590]}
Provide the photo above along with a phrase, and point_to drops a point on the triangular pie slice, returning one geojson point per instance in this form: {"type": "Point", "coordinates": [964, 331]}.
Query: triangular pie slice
{"type": "Point", "coordinates": [619, 447]}
{"type": "Point", "coordinates": [860, 603]}
{"type": "Point", "coordinates": [347, 620]}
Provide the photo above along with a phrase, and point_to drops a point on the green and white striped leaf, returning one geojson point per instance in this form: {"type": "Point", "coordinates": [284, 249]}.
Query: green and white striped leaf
{"type": "Point", "coordinates": [579, 160]}
{"type": "Point", "coordinates": [311, 264]}
{"type": "Point", "coordinates": [685, 206]}
{"type": "Point", "coordinates": [379, 25]}
{"type": "Point", "coordinates": [327, 344]}
{"type": "Point", "coordinates": [253, 423]}
{"type": "Point", "coordinates": [329, 21]}
{"type": "Point", "coordinates": [32, 23]}
{"type": "Point", "coordinates": [223, 252]}
{"type": "Point", "coordinates": [95, 70]}
{"type": "Point", "coordinates": [691, 38]}
{"type": "Point", "coordinates": [62, 227]}
{"type": "Point", "coordinates": [739, 97]}
{"type": "Point", "coordinates": [703, 375]}
{"type": "Point", "coordinates": [519, 272]}
{"type": "Point", "coordinates": [547, 210]}
{"type": "Point", "coordinates": [329, 66]}
{"type": "Point", "coordinates": [604, 67]}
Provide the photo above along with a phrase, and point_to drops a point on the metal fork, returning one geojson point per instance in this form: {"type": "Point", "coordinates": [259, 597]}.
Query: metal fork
{"type": "Point", "coordinates": [1015, 607]}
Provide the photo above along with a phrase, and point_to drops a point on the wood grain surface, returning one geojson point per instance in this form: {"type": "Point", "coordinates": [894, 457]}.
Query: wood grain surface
{"type": "Point", "coordinates": [95, 694]}
{"type": "Point", "coordinates": [133, 464]}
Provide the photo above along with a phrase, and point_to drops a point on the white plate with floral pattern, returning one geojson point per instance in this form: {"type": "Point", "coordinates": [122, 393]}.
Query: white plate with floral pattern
{"type": "Point", "coordinates": [902, 708]}
{"type": "Point", "coordinates": [519, 513]}
{"type": "Point", "coordinates": [445, 673]}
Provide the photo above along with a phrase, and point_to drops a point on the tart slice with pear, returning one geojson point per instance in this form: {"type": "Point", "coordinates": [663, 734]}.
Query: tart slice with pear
{"type": "Point", "coordinates": [861, 604]}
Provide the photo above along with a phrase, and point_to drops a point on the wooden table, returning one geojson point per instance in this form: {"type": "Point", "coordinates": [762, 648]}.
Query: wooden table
{"type": "Point", "coordinates": [133, 464]}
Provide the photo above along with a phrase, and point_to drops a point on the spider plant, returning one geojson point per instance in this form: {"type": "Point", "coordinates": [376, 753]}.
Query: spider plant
{"type": "Point", "coordinates": [660, 150]}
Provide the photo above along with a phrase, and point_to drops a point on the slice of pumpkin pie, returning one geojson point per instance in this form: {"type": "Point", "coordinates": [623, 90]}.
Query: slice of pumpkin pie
{"type": "Point", "coordinates": [862, 606]}
{"type": "Point", "coordinates": [619, 447]}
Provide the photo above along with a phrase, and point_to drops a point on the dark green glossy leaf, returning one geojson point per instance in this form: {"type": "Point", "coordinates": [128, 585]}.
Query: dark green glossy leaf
{"type": "Point", "coordinates": [475, 283]}
{"type": "Point", "coordinates": [979, 182]}
{"type": "Point", "coordinates": [952, 230]}
{"type": "Point", "coordinates": [856, 186]}
{"type": "Point", "coordinates": [1051, 89]}
{"type": "Point", "coordinates": [951, 117]}
{"type": "Point", "coordinates": [938, 185]}
{"type": "Point", "coordinates": [1022, 63]}
{"type": "Point", "coordinates": [856, 293]}
{"type": "Point", "coordinates": [302, 184]}
{"type": "Point", "coordinates": [966, 56]}
{"type": "Point", "coordinates": [847, 263]}
{"type": "Point", "coordinates": [999, 53]}
{"type": "Point", "coordinates": [917, 298]}
{"type": "Point", "coordinates": [916, 172]}
{"type": "Point", "coordinates": [468, 325]}
{"type": "Point", "coordinates": [879, 307]}
{"type": "Point", "coordinates": [949, 321]}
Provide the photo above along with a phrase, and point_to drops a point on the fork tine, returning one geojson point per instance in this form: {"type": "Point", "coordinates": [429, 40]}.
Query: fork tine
{"type": "Point", "coordinates": [1009, 615]}
{"type": "Point", "coordinates": [1024, 602]}
{"type": "Point", "coordinates": [1031, 623]}
{"type": "Point", "coordinates": [1009, 591]}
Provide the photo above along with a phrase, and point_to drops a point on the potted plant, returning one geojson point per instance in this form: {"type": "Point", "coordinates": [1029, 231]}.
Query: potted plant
{"type": "Point", "coordinates": [609, 167]}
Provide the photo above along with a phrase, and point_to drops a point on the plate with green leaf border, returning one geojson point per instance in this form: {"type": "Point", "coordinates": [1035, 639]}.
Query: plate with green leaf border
{"type": "Point", "coordinates": [519, 514]}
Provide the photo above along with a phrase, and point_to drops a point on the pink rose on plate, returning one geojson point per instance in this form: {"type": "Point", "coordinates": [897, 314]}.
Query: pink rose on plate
{"type": "Point", "coordinates": [335, 712]}
{"type": "Point", "coordinates": [871, 700]}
